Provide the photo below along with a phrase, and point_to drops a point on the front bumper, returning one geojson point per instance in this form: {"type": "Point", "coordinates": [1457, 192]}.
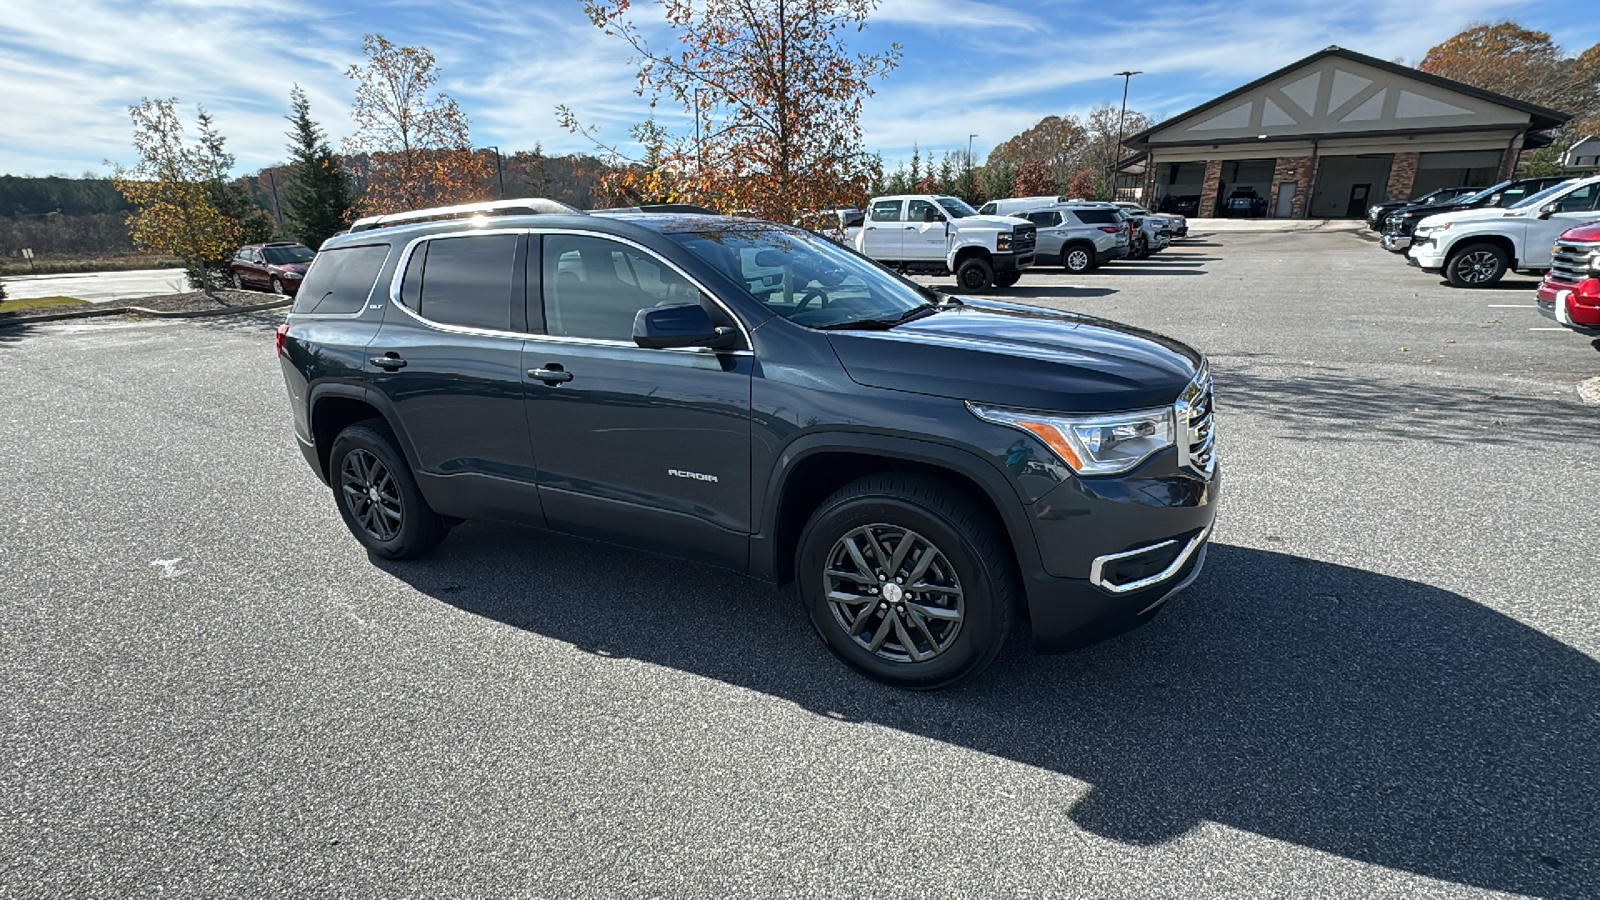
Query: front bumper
{"type": "Point", "coordinates": [1397, 243]}
{"type": "Point", "coordinates": [1562, 302]}
{"type": "Point", "coordinates": [1113, 549]}
{"type": "Point", "coordinates": [1426, 255]}
{"type": "Point", "coordinates": [1006, 263]}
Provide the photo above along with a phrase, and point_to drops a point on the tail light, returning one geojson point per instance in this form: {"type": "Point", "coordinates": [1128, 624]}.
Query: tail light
{"type": "Point", "coordinates": [283, 332]}
{"type": "Point", "coordinates": [1111, 229]}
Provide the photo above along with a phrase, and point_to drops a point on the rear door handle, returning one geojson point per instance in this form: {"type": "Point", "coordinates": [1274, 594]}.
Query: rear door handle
{"type": "Point", "coordinates": [550, 376]}
{"type": "Point", "coordinates": [389, 361]}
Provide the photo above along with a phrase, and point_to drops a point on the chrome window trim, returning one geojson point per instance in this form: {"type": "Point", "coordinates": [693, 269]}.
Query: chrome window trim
{"type": "Point", "coordinates": [399, 275]}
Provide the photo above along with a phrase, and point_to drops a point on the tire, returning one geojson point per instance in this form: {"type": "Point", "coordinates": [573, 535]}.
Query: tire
{"type": "Point", "coordinates": [238, 283]}
{"type": "Point", "coordinates": [1476, 265]}
{"type": "Point", "coordinates": [1006, 281]}
{"type": "Point", "coordinates": [277, 286]}
{"type": "Point", "coordinates": [378, 496]}
{"type": "Point", "coordinates": [1141, 248]}
{"type": "Point", "coordinates": [971, 580]}
{"type": "Point", "coordinates": [975, 275]}
{"type": "Point", "coordinates": [1077, 259]}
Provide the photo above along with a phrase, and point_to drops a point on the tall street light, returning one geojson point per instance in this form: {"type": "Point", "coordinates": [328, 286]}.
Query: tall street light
{"type": "Point", "coordinates": [1121, 117]}
{"type": "Point", "coordinates": [970, 186]}
{"type": "Point", "coordinates": [499, 175]}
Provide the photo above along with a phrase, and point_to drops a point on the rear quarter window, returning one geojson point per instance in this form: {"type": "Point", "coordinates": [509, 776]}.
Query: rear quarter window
{"type": "Point", "coordinates": [1096, 216]}
{"type": "Point", "coordinates": [340, 280]}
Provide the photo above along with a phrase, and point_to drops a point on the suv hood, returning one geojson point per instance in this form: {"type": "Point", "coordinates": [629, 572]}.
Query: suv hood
{"type": "Point", "coordinates": [1021, 356]}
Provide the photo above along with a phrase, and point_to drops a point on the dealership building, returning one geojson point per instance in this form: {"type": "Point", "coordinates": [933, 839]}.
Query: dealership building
{"type": "Point", "coordinates": [1328, 135]}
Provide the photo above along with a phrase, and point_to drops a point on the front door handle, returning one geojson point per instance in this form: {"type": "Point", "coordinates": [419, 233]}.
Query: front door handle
{"type": "Point", "coordinates": [390, 361]}
{"type": "Point", "coordinates": [553, 375]}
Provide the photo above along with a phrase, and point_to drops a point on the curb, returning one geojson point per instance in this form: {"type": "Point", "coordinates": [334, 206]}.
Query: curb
{"type": "Point", "coordinates": [141, 311]}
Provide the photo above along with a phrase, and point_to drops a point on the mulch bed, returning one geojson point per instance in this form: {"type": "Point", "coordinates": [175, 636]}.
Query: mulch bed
{"type": "Point", "coordinates": [191, 301]}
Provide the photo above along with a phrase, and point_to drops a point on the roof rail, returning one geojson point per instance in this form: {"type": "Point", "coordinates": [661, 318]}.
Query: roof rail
{"type": "Point", "coordinates": [527, 206]}
{"type": "Point", "coordinates": [657, 208]}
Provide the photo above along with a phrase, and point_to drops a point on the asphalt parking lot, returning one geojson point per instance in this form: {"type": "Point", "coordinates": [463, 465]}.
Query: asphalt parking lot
{"type": "Point", "coordinates": [1385, 684]}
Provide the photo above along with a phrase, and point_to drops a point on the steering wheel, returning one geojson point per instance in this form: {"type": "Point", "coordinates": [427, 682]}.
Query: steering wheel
{"type": "Point", "coordinates": [810, 295]}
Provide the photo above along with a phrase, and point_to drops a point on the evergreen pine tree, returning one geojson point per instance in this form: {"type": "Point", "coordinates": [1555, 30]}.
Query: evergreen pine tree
{"type": "Point", "coordinates": [319, 196]}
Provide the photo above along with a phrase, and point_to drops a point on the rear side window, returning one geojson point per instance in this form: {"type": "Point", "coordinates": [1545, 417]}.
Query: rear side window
{"type": "Point", "coordinates": [1096, 216]}
{"type": "Point", "coordinates": [463, 281]}
{"type": "Point", "coordinates": [341, 280]}
{"type": "Point", "coordinates": [887, 210]}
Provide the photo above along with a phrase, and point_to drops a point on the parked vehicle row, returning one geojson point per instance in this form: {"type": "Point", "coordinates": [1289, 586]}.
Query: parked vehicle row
{"type": "Point", "coordinates": [1399, 224]}
{"type": "Point", "coordinates": [1477, 247]}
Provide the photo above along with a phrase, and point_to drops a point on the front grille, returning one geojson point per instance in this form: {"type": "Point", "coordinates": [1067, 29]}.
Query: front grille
{"type": "Point", "coordinates": [1197, 433]}
{"type": "Point", "coordinates": [1570, 260]}
{"type": "Point", "coordinates": [1023, 238]}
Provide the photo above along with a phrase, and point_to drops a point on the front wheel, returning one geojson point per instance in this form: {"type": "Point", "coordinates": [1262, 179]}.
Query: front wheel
{"type": "Point", "coordinates": [1478, 265]}
{"type": "Point", "coordinates": [1006, 281]}
{"type": "Point", "coordinates": [903, 579]}
{"type": "Point", "coordinates": [975, 275]}
{"type": "Point", "coordinates": [377, 495]}
{"type": "Point", "coordinates": [277, 286]}
{"type": "Point", "coordinates": [238, 283]}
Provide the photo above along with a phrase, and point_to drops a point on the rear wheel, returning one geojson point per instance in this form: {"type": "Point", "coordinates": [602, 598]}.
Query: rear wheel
{"type": "Point", "coordinates": [975, 275]}
{"type": "Point", "coordinates": [1077, 259]}
{"type": "Point", "coordinates": [1141, 247]}
{"type": "Point", "coordinates": [1477, 265]}
{"type": "Point", "coordinates": [377, 495]}
{"type": "Point", "coordinates": [902, 577]}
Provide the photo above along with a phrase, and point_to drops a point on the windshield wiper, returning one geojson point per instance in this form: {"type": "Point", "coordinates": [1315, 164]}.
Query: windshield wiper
{"type": "Point", "coordinates": [915, 312]}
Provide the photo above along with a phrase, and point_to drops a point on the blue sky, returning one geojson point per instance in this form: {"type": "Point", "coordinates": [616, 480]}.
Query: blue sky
{"type": "Point", "coordinates": [69, 68]}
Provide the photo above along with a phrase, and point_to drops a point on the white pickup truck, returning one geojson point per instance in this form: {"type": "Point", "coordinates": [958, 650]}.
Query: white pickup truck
{"type": "Point", "coordinates": [931, 234]}
{"type": "Point", "coordinates": [1475, 247]}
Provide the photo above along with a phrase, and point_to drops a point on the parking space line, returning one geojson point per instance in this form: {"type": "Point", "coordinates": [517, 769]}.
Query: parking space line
{"type": "Point", "coordinates": [1513, 306]}
{"type": "Point", "coordinates": [1547, 329]}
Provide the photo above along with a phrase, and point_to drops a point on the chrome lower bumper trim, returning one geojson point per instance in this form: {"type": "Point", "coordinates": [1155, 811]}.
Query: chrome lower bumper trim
{"type": "Point", "coordinates": [1097, 568]}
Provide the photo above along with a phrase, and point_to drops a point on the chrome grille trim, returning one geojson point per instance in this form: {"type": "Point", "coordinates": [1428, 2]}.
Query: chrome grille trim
{"type": "Point", "coordinates": [1570, 260]}
{"type": "Point", "coordinates": [1197, 427]}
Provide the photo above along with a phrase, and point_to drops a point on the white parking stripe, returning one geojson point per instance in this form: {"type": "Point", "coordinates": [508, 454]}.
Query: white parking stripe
{"type": "Point", "coordinates": [1513, 306]}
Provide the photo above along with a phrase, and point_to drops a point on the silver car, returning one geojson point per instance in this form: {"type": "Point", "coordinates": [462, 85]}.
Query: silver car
{"type": "Point", "coordinates": [1079, 239]}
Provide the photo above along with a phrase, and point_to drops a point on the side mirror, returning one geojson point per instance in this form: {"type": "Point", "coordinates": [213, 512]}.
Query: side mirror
{"type": "Point", "coordinates": [931, 215]}
{"type": "Point", "coordinates": [1547, 210]}
{"type": "Point", "coordinates": [689, 325]}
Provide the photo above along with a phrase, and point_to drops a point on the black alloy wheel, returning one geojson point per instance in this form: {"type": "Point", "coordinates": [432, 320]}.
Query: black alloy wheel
{"type": "Point", "coordinates": [377, 495]}
{"type": "Point", "coordinates": [904, 581]}
{"type": "Point", "coordinates": [1478, 265]}
{"type": "Point", "coordinates": [1076, 259]}
{"type": "Point", "coordinates": [975, 275]}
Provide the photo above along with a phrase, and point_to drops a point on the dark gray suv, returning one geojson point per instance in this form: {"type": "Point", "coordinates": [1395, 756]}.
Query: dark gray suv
{"type": "Point", "coordinates": [927, 470]}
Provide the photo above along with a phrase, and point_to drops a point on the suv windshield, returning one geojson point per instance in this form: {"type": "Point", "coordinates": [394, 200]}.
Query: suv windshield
{"type": "Point", "coordinates": [956, 206]}
{"type": "Point", "coordinates": [282, 256]}
{"type": "Point", "coordinates": [804, 278]}
{"type": "Point", "coordinates": [1546, 194]}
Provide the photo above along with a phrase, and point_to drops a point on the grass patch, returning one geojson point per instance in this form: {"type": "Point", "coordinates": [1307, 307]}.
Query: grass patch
{"type": "Point", "coordinates": [38, 303]}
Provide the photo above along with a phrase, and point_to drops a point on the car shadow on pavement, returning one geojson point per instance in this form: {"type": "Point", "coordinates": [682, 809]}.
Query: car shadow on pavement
{"type": "Point", "coordinates": [1332, 404]}
{"type": "Point", "coordinates": [1353, 713]}
{"type": "Point", "coordinates": [13, 332]}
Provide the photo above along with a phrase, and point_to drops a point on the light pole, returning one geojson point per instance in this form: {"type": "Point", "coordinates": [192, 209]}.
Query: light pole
{"type": "Point", "coordinates": [499, 175]}
{"type": "Point", "coordinates": [1117, 150]}
{"type": "Point", "coordinates": [970, 186]}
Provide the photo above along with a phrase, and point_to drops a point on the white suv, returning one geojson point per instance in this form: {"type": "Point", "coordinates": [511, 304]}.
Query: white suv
{"type": "Point", "coordinates": [1475, 247]}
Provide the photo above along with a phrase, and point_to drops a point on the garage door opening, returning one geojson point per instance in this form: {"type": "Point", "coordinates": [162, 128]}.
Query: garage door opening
{"type": "Point", "coordinates": [1177, 188]}
{"type": "Point", "coordinates": [1456, 168]}
{"type": "Point", "coordinates": [1245, 190]}
{"type": "Point", "coordinates": [1347, 185]}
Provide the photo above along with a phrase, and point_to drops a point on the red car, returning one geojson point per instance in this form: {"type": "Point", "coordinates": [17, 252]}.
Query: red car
{"type": "Point", "coordinates": [277, 267]}
{"type": "Point", "coordinates": [1570, 293]}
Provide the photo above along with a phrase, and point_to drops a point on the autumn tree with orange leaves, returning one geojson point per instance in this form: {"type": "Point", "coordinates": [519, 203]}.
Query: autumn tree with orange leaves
{"type": "Point", "coordinates": [416, 144]}
{"type": "Point", "coordinates": [1519, 62]}
{"type": "Point", "coordinates": [773, 95]}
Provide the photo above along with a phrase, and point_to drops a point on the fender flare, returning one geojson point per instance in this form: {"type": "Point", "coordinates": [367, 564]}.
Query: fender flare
{"type": "Point", "coordinates": [989, 478]}
{"type": "Point", "coordinates": [376, 399]}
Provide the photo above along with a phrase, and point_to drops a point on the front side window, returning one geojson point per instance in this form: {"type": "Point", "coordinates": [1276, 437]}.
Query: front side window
{"type": "Point", "coordinates": [1045, 219]}
{"type": "Point", "coordinates": [340, 280]}
{"type": "Point", "coordinates": [1581, 200]}
{"type": "Point", "coordinates": [594, 287]}
{"type": "Point", "coordinates": [1542, 196]}
{"type": "Point", "coordinates": [887, 210]}
{"type": "Point", "coordinates": [462, 280]}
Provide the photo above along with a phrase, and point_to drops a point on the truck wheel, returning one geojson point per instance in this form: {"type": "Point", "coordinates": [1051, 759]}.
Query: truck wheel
{"type": "Point", "coordinates": [1077, 259]}
{"type": "Point", "coordinates": [1477, 265]}
{"type": "Point", "coordinates": [975, 275]}
{"type": "Point", "coordinates": [1006, 281]}
{"type": "Point", "coordinates": [377, 496]}
{"type": "Point", "coordinates": [904, 580]}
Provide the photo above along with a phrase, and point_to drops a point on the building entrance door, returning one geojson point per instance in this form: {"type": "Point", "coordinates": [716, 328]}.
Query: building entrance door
{"type": "Point", "coordinates": [1283, 208]}
{"type": "Point", "coordinates": [1358, 201]}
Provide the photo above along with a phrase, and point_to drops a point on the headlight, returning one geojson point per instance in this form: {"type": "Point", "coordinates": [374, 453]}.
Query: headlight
{"type": "Point", "coordinates": [1002, 242]}
{"type": "Point", "coordinates": [293, 275]}
{"type": "Point", "coordinates": [1430, 229]}
{"type": "Point", "coordinates": [1092, 445]}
